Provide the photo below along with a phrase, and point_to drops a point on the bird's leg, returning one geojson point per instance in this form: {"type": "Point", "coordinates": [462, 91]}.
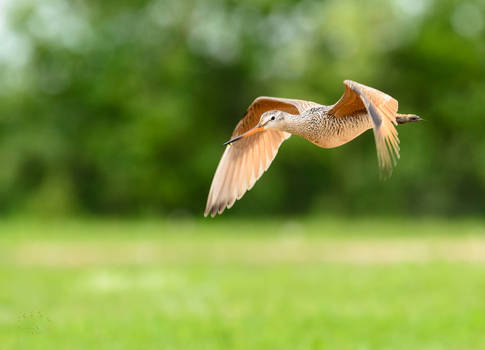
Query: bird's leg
{"type": "Point", "coordinates": [407, 118]}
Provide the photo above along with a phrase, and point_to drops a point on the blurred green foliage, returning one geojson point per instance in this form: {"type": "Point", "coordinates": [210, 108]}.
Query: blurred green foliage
{"type": "Point", "coordinates": [121, 107]}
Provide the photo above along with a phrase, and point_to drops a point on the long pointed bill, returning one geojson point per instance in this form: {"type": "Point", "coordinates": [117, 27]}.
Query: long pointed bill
{"type": "Point", "coordinates": [250, 132]}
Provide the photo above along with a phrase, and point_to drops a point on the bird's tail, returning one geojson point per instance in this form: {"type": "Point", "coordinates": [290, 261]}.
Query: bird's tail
{"type": "Point", "coordinates": [407, 118]}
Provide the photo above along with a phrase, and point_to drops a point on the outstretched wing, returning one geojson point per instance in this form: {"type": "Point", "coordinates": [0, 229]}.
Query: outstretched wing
{"type": "Point", "coordinates": [382, 108]}
{"type": "Point", "coordinates": [244, 161]}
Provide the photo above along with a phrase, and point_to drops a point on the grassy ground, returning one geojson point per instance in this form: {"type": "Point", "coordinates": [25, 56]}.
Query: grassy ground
{"type": "Point", "coordinates": [287, 284]}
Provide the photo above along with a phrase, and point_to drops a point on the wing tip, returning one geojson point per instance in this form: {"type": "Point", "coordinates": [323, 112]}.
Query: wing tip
{"type": "Point", "coordinates": [216, 208]}
{"type": "Point", "coordinates": [385, 174]}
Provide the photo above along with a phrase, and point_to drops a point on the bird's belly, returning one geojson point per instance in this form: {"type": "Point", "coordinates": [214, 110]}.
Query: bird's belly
{"type": "Point", "coordinates": [342, 131]}
{"type": "Point", "coordinates": [332, 142]}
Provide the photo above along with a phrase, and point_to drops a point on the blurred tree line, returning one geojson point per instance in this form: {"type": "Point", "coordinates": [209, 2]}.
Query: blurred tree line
{"type": "Point", "coordinates": [121, 107]}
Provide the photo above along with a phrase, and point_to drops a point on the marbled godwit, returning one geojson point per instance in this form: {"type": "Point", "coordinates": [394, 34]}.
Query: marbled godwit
{"type": "Point", "coordinates": [271, 120]}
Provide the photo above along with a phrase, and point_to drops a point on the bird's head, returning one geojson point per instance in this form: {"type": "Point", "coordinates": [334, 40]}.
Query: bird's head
{"type": "Point", "coordinates": [272, 119]}
{"type": "Point", "coordinates": [268, 120]}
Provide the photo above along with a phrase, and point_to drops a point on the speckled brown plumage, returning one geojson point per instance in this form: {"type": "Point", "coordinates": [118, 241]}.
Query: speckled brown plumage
{"type": "Point", "coordinates": [271, 120]}
{"type": "Point", "coordinates": [327, 131]}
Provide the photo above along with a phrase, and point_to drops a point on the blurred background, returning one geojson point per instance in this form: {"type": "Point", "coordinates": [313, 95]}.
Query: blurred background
{"type": "Point", "coordinates": [112, 120]}
{"type": "Point", "coordinates": [121, 107]}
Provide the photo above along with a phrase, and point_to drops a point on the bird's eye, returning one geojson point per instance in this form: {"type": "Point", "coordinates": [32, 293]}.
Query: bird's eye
{"type": "Point", "coordinates": [272, 118]}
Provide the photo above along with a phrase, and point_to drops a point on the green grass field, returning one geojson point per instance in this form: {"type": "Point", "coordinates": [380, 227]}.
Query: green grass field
{"type": "Point", "coordinates": [220, 284]}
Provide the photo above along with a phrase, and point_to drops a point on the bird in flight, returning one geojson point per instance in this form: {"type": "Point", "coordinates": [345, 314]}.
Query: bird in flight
{"type": "Point", "coordinates": [271, 120]}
